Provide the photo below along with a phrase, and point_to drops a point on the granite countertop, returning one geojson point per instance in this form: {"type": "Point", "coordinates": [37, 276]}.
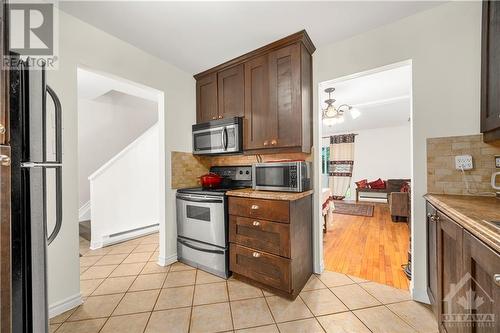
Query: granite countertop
{"type": "Point", "coordinates": [472, 212]}
{"type": "Point", "coordinates": [287, 196]}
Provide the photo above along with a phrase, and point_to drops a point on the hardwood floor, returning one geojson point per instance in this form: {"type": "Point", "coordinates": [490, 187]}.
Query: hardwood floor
{"type": "Point", "coordinates": [372, 248]}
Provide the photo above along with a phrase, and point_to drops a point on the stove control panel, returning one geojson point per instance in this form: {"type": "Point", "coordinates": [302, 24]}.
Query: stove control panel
{"type": "Point", "coordinates": [242, 172]}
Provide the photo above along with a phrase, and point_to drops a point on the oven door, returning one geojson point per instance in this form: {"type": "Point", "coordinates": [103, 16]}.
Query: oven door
{"type": "Point", "coordinates": [274, 177]}
{"type": "Point", "coordinates": [201, 218]}
{"type": "Point", "coordinates": [217, 140]}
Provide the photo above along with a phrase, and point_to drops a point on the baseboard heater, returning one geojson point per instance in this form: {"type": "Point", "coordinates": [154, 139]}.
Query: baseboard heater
{"type": "Point", "coordinates": [133, 230]}
{"type": "Point", "coordinates": [122, 236]}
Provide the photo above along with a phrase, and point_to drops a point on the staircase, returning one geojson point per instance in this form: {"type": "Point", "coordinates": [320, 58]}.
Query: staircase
{"type": "Point", "coordinates": [124, 192]}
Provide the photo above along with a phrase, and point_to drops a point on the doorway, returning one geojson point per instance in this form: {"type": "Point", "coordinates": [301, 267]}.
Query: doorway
{"type": "Point", "coordinates": [120, 157]}
{"type": "Point", "coordinates": [366, 174]}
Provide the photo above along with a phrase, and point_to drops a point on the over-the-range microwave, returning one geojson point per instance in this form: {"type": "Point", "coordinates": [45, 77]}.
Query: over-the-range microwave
{"type": "Point", "coordinates": [222, 136]}
{"type": "Point", "coordinates": [287, 176]}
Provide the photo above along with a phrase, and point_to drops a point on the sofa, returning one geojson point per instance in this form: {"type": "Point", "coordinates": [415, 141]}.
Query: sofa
{"type": "Point", "coordinates": [399, 202]}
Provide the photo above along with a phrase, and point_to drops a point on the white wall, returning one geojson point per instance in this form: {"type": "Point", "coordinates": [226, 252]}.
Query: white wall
{"type": "Point", "coordinates": [444, 46]}
{"type": "Point", "coordinates": [381, 153]}
{"type": "Point", "coordinates": [125, 192]}
{"type": "Point", "coordinates": [83, 45]}
{"type": "Point", "coordinates": [106, 125]}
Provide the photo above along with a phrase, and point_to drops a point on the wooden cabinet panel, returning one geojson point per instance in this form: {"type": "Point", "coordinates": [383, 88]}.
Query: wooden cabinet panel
{"type": "Point", "coordinates": [432, 273]}
{"type": "Point", "coordinates": [490, 71]}
{"type": "Point", "coordinates": [206, 98]}
{"type": "Point", "coordinates": [4, 79]}
{"type": "Point", "coordinates": [272, 210]}
{"type": "Point", "coordinates": [449, 265]}
{"type": "Point", "coordinates": [231, 92]}
{"type": "Point", "coordinates": [285, 92]}
{"type": "Point", "coordinates": [260, 235]}
{"type": "Point", "coordinates": [483, 265]}
{"type": "Point", "coordinates": [258, 126]}
{"type": "Point", "coordinates": [266, 268]}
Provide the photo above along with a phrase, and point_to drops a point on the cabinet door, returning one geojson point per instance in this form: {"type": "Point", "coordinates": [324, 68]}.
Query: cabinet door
{"type": "Point", "coordinates": [258, 125]}
{"type": "Point", "coordinates": [432, 273]}
{"type": "Point", "coordinates": [206, 98]}
{"type": "Point", "coordinates": [490, 63]}
{"type": "Point", "coordinates": [231, 92]}
{"type": "Point", "coordinates": [268, 269]}
{"type": "Point", "coordinates": [483, 283]}
{"type": "Point", "coordinates": [449, 272]}
{"type": "Point", "coordinates": [285, 114]}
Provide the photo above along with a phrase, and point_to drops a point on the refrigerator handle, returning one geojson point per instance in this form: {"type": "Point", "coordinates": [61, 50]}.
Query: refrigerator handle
{"type": "Point", "coordinates": [58, 169]}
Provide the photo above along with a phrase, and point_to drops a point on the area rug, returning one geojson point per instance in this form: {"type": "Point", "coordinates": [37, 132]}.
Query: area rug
{"type": "Point", "coordinates": [353, 209]}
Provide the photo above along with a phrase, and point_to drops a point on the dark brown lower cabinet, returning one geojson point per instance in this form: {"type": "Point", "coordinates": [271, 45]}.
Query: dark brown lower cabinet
{"type": "Point", "coordinates": [481, 264]}
{"type": "Point", "coordinates": [432, 270]}
{"type": "Point", "coordinates": [449, 264]}
{"type": "Point", "coordinates": [271, 243]}
{"type": "Point", "coordinates": [463, 277]}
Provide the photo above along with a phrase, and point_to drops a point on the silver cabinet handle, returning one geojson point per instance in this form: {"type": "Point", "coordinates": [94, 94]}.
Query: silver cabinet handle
{"type": "Point", "coordinates": [2, 129]}
{"type": "Point", "coordinates": [254, 207]}
{"type": "Point", "coordinates": [433, 217]}
{"type": "Point", "coordinates": [496, 278]}
{"type": "Point", "coordinates": [256, 254]}
{"type": "Point", "coordinates": [4, 160]}
{"type": "Point", "coordinates": [256, 223]}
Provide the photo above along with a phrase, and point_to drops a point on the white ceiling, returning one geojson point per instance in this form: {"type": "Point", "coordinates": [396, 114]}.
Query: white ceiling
{"type": "Point", "coordinates": [92, 85]}
{"type": "Point", "coordinates": [196, 36]}
{"type": "Point", "coordinates": [382, 98]}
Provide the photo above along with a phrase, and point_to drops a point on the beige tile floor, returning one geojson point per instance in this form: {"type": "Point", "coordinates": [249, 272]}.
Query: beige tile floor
{"type": "Point", "coordinates": [125, 291]}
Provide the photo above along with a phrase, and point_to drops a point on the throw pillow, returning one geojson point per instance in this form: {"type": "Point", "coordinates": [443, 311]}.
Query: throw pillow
{"type": "Point", "coordinates": [405, 187]}
{"type": "Point", "coordinates": [377, 184]}
{"type": "Point", "coordinates": [362, 183]}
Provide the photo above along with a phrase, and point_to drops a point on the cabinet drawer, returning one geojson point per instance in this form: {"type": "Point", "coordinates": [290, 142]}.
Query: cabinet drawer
{"type": "Point", "coordinates": [260, 235]}
{"type": "Point", "coordinates": [273, 210]}
{"type": "Point", "coordinates": [265, 268]}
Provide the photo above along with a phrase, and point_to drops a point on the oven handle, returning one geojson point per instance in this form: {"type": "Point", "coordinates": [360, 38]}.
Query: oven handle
{"type": "Point", "coordinates": [200, 200]}
{"type": "Point", "coordinates": [199, 248]}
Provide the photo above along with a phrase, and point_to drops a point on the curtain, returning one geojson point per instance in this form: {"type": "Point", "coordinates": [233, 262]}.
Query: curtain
{"type": "Point", "coordinates": [340, 165]}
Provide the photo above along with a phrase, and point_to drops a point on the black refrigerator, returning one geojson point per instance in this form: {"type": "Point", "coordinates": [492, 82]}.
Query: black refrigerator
{"type": "Point", "coordinates": [36, 193]}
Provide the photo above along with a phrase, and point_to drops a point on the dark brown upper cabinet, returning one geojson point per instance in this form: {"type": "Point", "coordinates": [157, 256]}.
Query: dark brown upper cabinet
{"type": "Point", "coordinates": [206, 98]}
{"type": "Point", "coordinates": [231, 92]}
{"type": "Point", "coordinates": [257, 127]}
{"type": "Point", "coordinates": [272, 88]}
{"type": "Point", "coordinates": [490, 72]}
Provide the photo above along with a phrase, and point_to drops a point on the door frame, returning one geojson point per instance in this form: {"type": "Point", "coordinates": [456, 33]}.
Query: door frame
{"type": "Point", "coordinates": [160, 102]}
{"type": "Point", "coordinates": [317, 214]}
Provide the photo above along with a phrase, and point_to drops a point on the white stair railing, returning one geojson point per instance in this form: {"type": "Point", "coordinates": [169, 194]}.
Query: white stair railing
{"type": "Point", "coordinates": [124, 192]}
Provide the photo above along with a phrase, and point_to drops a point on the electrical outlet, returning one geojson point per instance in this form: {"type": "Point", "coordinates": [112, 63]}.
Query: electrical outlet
{"type": "Point", "coordinates": [497, 161]}
{"type": "Point", "coordinates": [463, 162]}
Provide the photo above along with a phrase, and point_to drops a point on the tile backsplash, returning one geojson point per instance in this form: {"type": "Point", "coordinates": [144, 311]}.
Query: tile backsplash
{"type": "Point", "coordinates": [443, 178]}
{"type": "Point", "coordinates": [187, 168]}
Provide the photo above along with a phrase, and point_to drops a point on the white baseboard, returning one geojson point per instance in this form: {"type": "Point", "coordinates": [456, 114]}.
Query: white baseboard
{"type": "Point", "coordinates": [420, 296]}
{"type": "Point", "coordinates": [84, 212]}
{"type": "Point", "coordinates": [165, 261]}
{"type": "Point", "coordinates": [106, 240]}
{"type": "Point", "coordinates": [65, 305]}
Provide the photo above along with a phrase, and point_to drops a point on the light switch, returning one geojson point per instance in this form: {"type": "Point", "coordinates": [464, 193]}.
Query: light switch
{"type": "Point", "coordinates": [497, 161]}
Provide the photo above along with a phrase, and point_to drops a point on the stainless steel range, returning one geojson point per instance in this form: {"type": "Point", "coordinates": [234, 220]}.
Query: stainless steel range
{"type": "Point", "coordinates": [202, 221]}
